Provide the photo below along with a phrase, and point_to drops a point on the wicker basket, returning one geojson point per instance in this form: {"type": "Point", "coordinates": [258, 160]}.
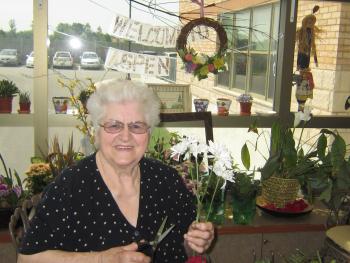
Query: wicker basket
{"type": "Point", "coordinates": [280, 191]}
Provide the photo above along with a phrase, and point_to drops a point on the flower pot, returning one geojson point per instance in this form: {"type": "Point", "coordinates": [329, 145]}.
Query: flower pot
{"type": "Point", "coordinates": [6, 105]}
{"type": "Point", "coordinates": [60, 104]}
{"type": "Point", "coordinates": [245, 108]}
{"type": "Point", "coordinates": [223, 105]}
{"type": "Point", "coordinates": [24, 108]}
{"type": "Point", "coordinates": [280, 191]}
{"type": "Point", "coordinates": [201, 105]}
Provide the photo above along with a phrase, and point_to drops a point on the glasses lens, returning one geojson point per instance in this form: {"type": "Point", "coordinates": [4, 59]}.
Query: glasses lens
{"type": "Point", "coordinates": [138, 127]}
{"type": "Point", "coordinates": [113, 127]}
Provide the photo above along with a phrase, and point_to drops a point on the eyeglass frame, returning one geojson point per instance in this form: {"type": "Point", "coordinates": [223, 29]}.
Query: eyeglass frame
{"type": "Point", "coordinates": [122, 126]}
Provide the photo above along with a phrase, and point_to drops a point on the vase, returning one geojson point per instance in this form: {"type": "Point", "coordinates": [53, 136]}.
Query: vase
{"type": "Point", "coordinates": [244, 208]}
{"type": "Point", "coordinates": [6, 105]}
{"type": "Point", "coordinates": [245, 108]}
{"type": "Point", "coordinates": [280, 191]}
{"type": "Point", "coordinates": [201, 105]}
{"type": "Point", "coordinates": [216, 214]}
{"type": "Point", "coordinates": [60, 104]}
{"type": "Point", "coordinates": [223, 106]}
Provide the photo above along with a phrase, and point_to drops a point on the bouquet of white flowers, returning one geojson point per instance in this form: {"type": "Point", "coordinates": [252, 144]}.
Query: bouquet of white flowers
{"type": "Point", "coordinates": [211, 166]}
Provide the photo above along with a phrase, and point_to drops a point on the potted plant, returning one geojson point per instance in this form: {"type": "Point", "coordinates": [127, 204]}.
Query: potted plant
{"type": "Point", "coordinates": [287, 167]}
{"type": "Point", "coordinates": [11, 193]}
{"type": "Point", "coordinates": [8, 90]}
{"type": "Point", "coordinates": [24, 102]}
{"type": "Point", "coordinates": [245, 102]}
{"type": "Point", "coordinates": [84, 96]}
{"type": "Point", "coordinates": [60, 104]}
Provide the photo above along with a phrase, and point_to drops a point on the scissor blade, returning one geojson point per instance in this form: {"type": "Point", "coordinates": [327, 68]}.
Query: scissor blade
{"type": "Point", "coordinates": [160, 230]}
{"type": "Point", "coordinates": [162, 236]}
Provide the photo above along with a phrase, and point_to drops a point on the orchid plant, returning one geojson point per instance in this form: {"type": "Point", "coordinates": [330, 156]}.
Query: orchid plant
{"type": "Point", "coordinates": [210, 167]}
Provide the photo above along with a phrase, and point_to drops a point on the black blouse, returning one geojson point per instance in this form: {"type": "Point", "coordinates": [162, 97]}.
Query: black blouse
{"type": "Point", "coordinates": [78, 212]}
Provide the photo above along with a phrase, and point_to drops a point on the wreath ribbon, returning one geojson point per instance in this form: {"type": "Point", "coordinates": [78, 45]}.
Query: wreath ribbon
{"type": "Point", "coordinates": [201, 4]}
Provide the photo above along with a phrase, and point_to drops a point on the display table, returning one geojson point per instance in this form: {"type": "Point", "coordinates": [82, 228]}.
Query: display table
{"type": "Point", "coordinates": [236, 243]}
{"type": "Point", "coordinates": [270, 236]}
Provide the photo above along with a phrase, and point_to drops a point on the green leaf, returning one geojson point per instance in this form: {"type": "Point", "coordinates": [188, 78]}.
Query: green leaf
{"type": "Point", "coordinates": [338, 151]}
{"type": "Point", "coordinates": [327, 193]}
{"type": "Point", "coordinates": [245, 156]}
{"type": "Point", "coordinates": [270, 168]}
{"type": "Point", "coordinates": [275, 137]}
{"type": "Point", "coordinates": [288, 149]}
{"type": "Point", "coordinates": [321, 146]}
{"type": "Point", "coordinates": [37, 159]}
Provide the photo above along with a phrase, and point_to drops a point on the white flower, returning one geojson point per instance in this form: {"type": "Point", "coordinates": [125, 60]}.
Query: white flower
{"type": "Point", "coordinates": [220, 154]}
{"type": "Point", "coordinates": [302, 116]}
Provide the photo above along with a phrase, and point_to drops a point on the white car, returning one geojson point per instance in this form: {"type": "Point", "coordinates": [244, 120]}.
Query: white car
{"type": "Point", "coordinates": [9, 57]}
{"type": "Point", "coordinates": [30, 60]}
{"type": "Point", "coordinates": [62, 59]}
{"type": "Point", "coordinates": [90, 60]}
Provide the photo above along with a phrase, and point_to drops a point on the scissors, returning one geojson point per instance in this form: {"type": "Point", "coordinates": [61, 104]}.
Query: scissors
{"type": "Point", "coordinates": [149, 247]}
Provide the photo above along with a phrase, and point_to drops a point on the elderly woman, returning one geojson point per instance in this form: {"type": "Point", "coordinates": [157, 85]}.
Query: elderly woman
{"type": "Point", "coordinates": [100, 209]}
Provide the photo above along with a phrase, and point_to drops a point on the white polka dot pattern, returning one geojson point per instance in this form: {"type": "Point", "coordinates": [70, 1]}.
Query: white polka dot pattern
{"type": "Point", "coordinates": [78, 212]}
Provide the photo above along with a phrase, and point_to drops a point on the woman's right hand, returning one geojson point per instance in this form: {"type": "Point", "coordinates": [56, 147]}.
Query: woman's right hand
{"type": "Point", "coordinates": [124, 254]}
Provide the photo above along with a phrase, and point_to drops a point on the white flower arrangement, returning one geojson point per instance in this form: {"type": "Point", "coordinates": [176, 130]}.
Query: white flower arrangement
{"type": "Point", "coordinates": [212, 166]}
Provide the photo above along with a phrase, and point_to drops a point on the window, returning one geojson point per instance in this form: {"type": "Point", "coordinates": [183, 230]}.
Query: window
{"type": "Point", "coordinates": [252, 36]}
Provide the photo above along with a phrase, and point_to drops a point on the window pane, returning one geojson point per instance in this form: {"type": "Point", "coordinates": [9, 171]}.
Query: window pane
{"type": "Point", "coordinates": [258, 69]}
{"type": "Point", "coordinates": [240, 71]}
{"type": "Point", "coordinates": [273, 52]}
{"type": "Point", "coordinates": [261, 28]}
{"type": "Point", "coordinates": [241, 31]}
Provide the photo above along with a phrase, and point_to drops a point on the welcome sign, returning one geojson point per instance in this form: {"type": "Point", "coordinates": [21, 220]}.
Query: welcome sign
{"type": "Point", "coordinates": [159, 36]}
{"type": "Point", "coordinates": [131, 62]}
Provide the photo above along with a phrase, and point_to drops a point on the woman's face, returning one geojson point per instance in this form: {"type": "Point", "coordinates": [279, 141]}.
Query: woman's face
{"type": "Point", "coordinates": [123, 149]}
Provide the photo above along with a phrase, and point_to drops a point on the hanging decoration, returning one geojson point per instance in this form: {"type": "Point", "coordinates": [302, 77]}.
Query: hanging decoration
{"type": "Point", "coordinates": [305, 39]}
{"type": "Point", "coordinates": [198, 64]}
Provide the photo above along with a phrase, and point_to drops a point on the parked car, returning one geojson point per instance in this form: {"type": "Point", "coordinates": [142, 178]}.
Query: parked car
{"type": "Point", "coordinates": [62, 59]}
{"type": "Point", "coordinates": [9, 57]}
{"type": "Point", "coordinates": [30, 60]}
{"type": "Point", "coordinates": [90, 60]}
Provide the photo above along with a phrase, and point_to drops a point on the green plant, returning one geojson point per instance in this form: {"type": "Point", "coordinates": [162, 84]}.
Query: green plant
{"type": "Point", "coordinates": [81, 114]}
{"type": "Point", "coordinates": [160, 144]}
{"type": "Point", "coordinates": [11, 191]}
{"type": "Point", "coordinates": [24, 97]}
{"type": "Point", "coordinates": [8, 89]}
{"type": "Point", "coordinates": [333, 173]}
{"type": "Point", "coordinates": [287, 157]}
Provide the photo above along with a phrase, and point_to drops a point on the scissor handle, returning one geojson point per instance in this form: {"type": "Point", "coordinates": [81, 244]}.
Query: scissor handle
{"type": "Point", "coordinates": [145, 248]}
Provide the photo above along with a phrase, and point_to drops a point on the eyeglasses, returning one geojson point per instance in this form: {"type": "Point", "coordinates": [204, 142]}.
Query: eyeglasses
{"type": "Point", "coordinates": [117, 126]}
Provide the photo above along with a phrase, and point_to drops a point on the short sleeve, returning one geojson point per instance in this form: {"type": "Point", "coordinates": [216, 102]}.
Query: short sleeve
{"type": "Point", "coordinates": [48, 227]}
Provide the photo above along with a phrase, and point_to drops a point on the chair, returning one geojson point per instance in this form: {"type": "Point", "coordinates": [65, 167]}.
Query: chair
{"type": "Point", "coordinates": [337, 242]}
{"type": "Point", "coordinates": [16, 228]}
{"type": "Point", "coordinates": [192, 116]}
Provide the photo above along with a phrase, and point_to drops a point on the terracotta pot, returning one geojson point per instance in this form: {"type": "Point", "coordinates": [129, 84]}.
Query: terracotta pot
{"type": "Point", "coordinates": [6, 105]}
{"type": "Point", "coordinates": [24, 108]}
{"type": "Point", "coordinates": [245, 108]}
{"type": "Point", "coordinates": [223, 105]}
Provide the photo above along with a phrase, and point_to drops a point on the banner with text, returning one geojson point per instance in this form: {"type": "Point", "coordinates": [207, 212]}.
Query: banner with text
{"type": "Point", "coordinates": [149, 35]}
{"type": "Point", "coordinates": [136, 63]}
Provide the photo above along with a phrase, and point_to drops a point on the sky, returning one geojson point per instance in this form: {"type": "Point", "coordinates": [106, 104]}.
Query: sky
{"type": "Point", "coordinates": [95, 12]}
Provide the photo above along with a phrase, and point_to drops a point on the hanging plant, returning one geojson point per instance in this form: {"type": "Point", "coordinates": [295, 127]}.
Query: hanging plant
{"type": "Point", "coordinates": [200, 65]}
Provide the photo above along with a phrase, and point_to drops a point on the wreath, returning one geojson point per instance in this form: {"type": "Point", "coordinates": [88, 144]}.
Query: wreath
{"type": "Point", "coordinates": [200, 65]}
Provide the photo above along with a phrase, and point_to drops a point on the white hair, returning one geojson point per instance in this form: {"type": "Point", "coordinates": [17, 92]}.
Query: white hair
{"type": "Point", "coordinates": [119, 91]}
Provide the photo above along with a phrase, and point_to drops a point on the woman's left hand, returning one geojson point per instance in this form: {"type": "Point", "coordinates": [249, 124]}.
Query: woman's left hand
{"type": "Point", "coordinates": [199, 236]}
